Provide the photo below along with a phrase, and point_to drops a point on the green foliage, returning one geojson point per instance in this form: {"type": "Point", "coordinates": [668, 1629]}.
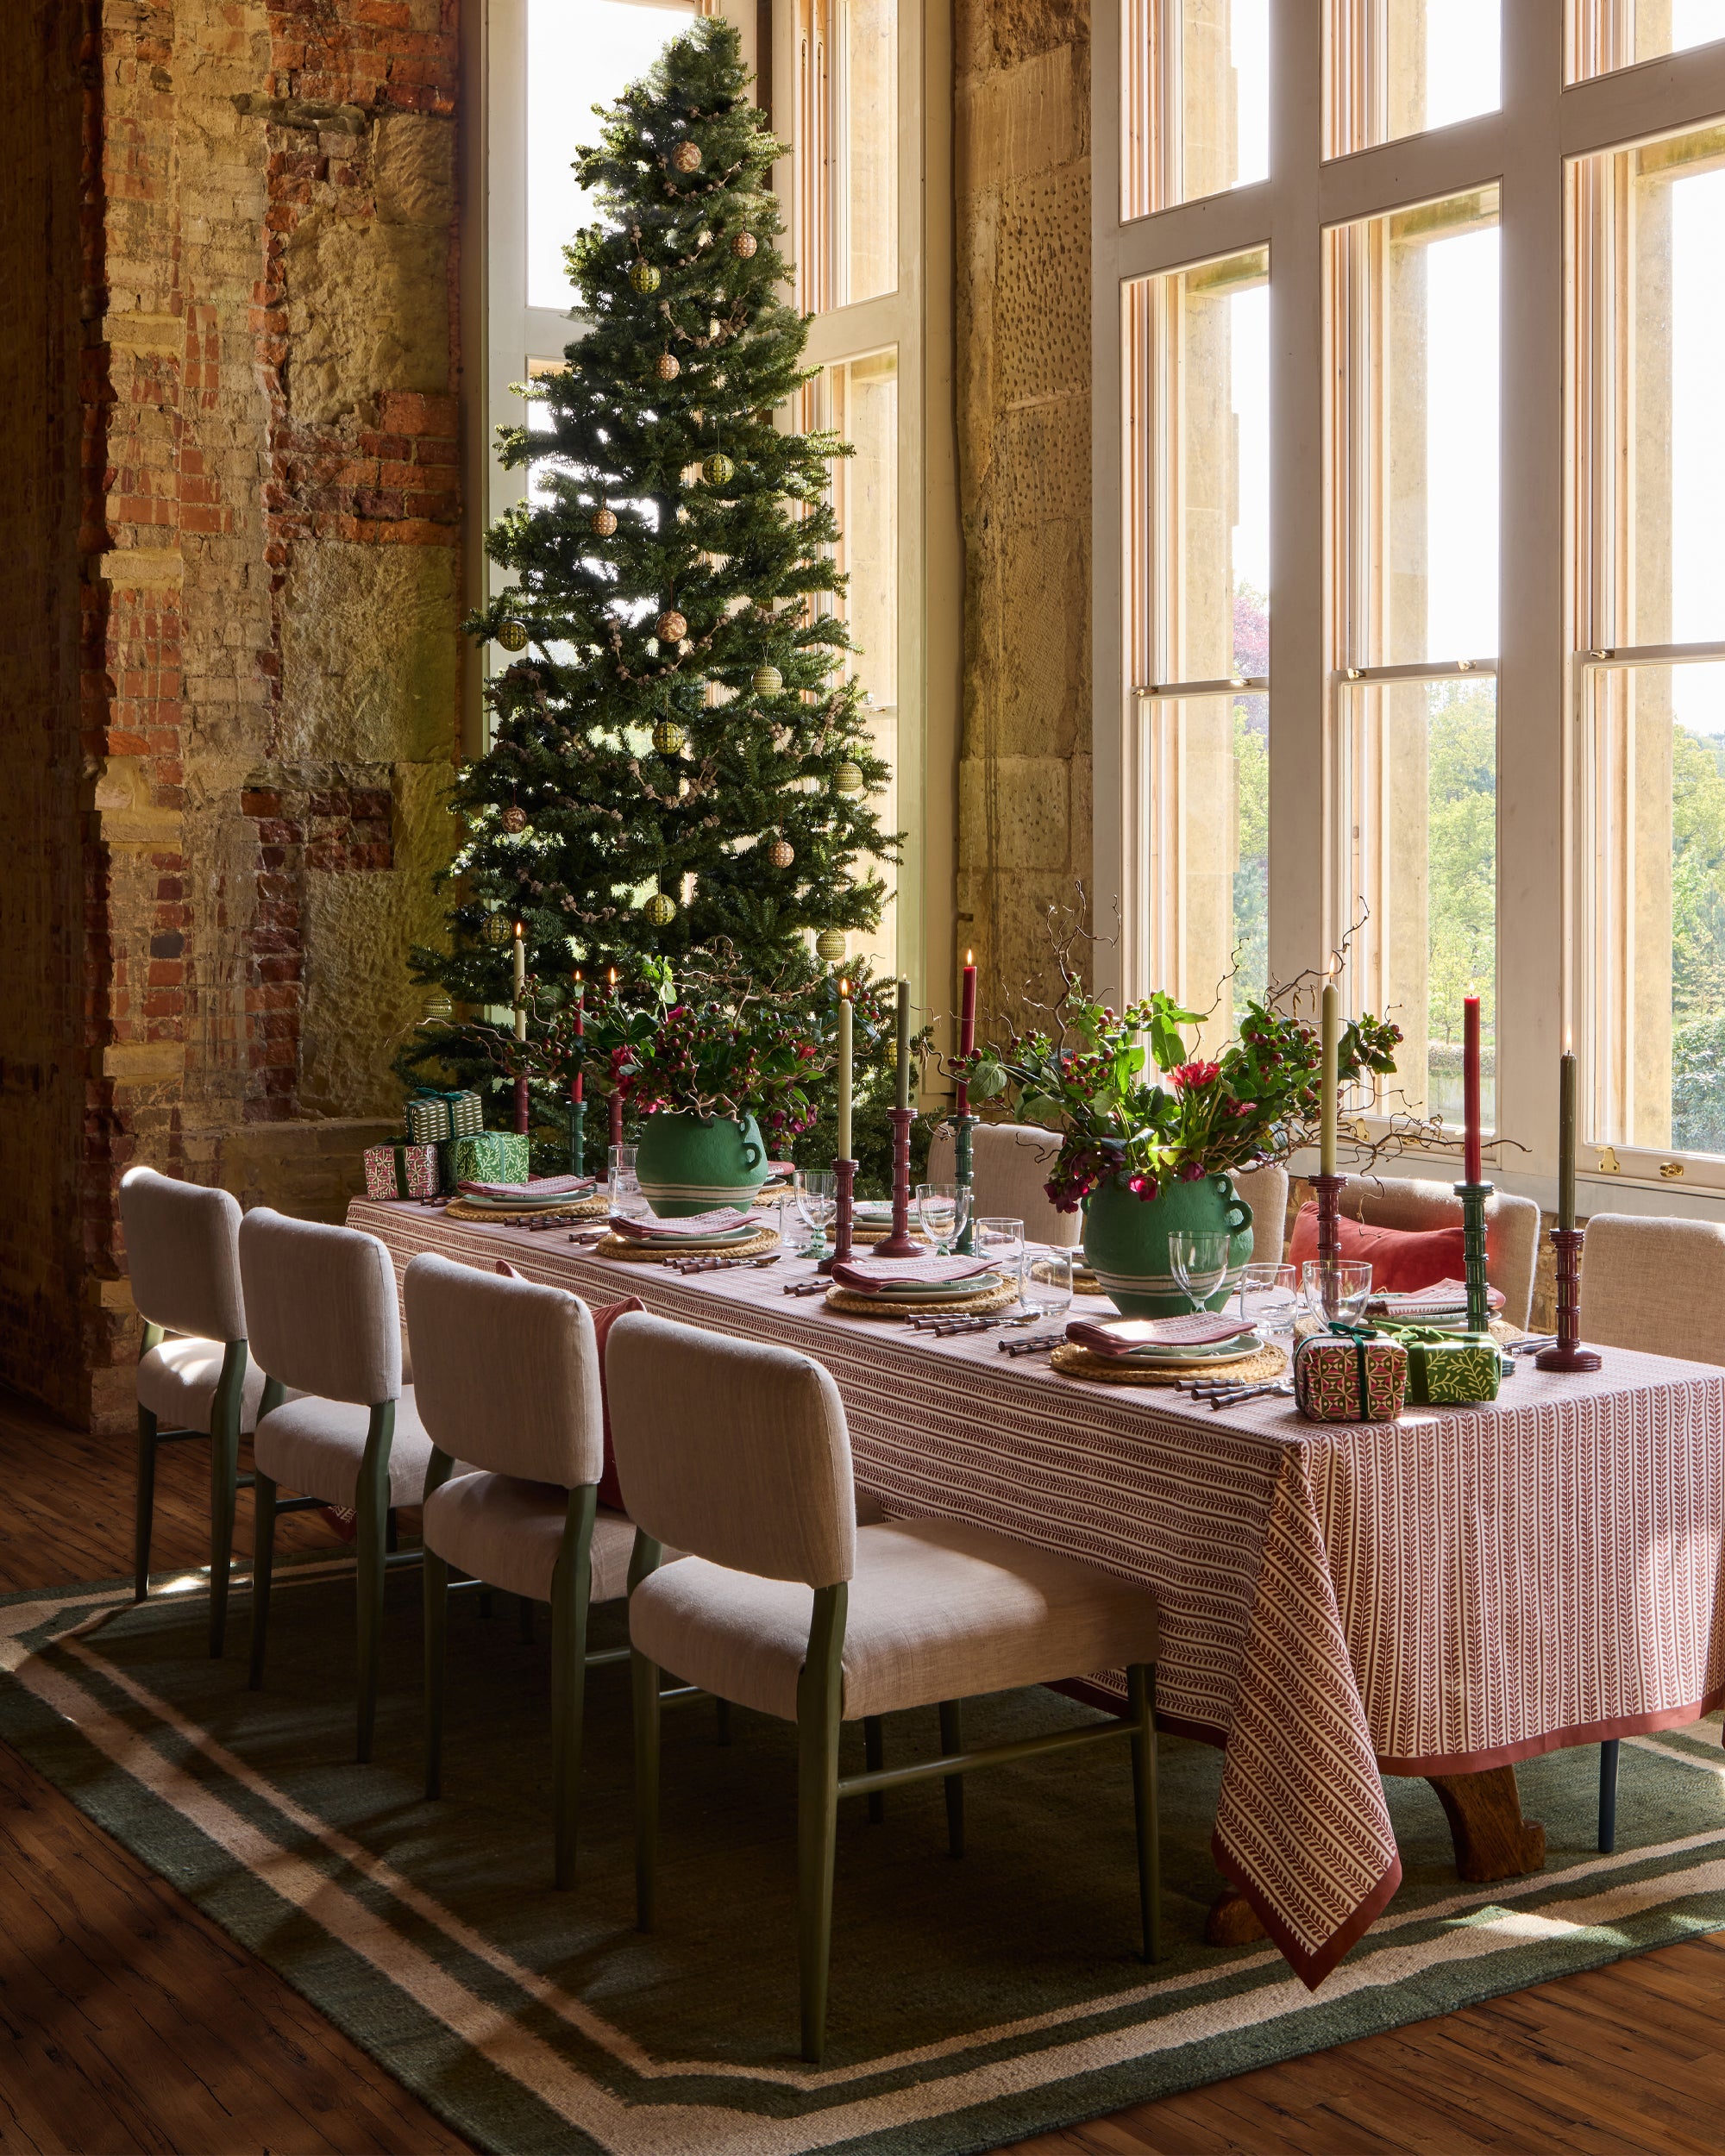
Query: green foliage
{"type": "Point", "coordinates": [1462, 857]}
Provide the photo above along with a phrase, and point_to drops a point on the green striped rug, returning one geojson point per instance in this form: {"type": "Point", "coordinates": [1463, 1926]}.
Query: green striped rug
{"type": "Point", "coordinates": [972, 2003]}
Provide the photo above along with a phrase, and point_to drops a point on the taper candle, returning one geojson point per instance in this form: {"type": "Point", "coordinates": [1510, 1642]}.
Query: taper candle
{"type": "Point", "coordinates": [1470, 1088]}
{"type": "Point", "coordinates": [904, 1041]}
{"type": "Point", "coordinates": [1566, 1093]}
{"type": "Point", "coordinates": [520, 984]}
{"type": "Point", "coordinates": [578, 1090]}
{"type": "Point", "coordinates": [967, 1025]}
{"type": "Point", "coordinates": [845, 1024]}
{"type": "Point", "coordinates": [1330, 1083]}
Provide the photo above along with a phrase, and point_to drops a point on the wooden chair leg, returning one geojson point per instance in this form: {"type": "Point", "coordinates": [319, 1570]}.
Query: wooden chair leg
{"type": "Point", "coordinates": [437, 1583]}
{"type": "Point", "coordinates": [874, 1758]}
{"type": "Point", "coordinates": [144, 1511]}
{"type": "Point", "coordinates": [644, 1681]}
{"type": "Point", "coordinates": [571, 1591]}
{"type": "Point", "coordinates": [1141, 1705]}
{"type": "Point", "coordinates": [263, 1566]}
{"type": "Point", "coordinates": [1607, 1796]}
{"type": "Point", "coordinates": [370, 1509]}
{"type": "Point", "coordinates": [819, 1696]}
{"type": "Point", "coordinates": [721, 1721]}
{"type": "Point", "coordinates": [523, 1604]}
{"type": "Point", "coordinates": [951, 1740]}
{"type": "Point", "coordinates": [224, 1489]}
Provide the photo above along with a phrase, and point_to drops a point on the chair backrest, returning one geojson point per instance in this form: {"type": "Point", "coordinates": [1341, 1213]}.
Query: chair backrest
{"type": "Point", "coordinates": [732, 1451]}
{"type": "Point", "coordinates": [1512, 1228]}
{"type": "Point", "coordinates": [322, 1308]}
{"type": "Point", "coordinates": [1265, 1190]}
{"type": "Point", "coordinates": [1010, 1164]}
{"type": "Point", "coordinates": [183, 1252]}
{"type": "Point", "coordinates": [506, 1373]}
{"type": "Point", "coordinates": [1654, 1284]}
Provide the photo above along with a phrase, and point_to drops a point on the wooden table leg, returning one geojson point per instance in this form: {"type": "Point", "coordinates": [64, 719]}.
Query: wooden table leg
{"type": "Point", "coordinates": [1492, 1840]}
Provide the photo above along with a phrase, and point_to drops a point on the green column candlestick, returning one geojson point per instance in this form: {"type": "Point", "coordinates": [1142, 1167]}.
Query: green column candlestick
{"type": "Point", "coordinates": [963, 1174]}
{"type": "Point", "coordinates": [1473, 1197]}
{"type": "Point", "coordinates": [578, 1138]}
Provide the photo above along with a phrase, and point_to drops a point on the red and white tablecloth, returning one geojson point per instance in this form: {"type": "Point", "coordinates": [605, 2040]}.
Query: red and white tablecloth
{"type": "Point", "coordinates": [1439, 1595]}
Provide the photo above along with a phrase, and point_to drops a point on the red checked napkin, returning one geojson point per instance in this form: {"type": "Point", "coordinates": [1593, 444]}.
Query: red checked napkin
{"type": "Point", "coordinates": [535, 1187]}
{"type": "Point", "coordinates": [868, 1275]}
{"type": "Point", "coordinates": [1121, 1336]}
{"type": "Point", "coordinates": [697, 1228]}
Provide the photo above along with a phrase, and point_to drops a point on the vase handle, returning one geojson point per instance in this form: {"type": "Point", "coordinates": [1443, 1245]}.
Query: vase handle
{"type": "Point", "coordinates": [752, 1154]}
{"type": "Point", "coordinates": [1238, 1213]}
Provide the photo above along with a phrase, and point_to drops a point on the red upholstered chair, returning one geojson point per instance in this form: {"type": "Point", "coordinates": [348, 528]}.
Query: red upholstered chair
{"type": "Point", "coordinates": [1512, 1230]}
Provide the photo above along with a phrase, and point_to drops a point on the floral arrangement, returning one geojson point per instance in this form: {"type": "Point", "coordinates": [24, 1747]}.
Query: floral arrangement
{"type": "Point", "coordinates": [1131, 1101]}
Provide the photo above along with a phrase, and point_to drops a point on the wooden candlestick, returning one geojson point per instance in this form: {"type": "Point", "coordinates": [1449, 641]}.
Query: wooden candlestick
{"type": "Point", "coordinates": [964, 1175]}
{"type": "Point", "coordinates": [1473, 1196]}
{"type": "Point", "coordinates": [844, 1175]}
{"type": "Point", "coordinates": [1568, 1354]}
{"type": "Point", "coordinates": [1329, 1192]}
{"type": "Point", "coordinates": [521, 1110]}
{"type": "Point", "coordinates": [900, 1242]}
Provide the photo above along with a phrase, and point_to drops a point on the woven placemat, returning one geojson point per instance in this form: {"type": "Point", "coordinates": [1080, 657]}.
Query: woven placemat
{"type": "Point", "coordinates": [578, 1209]}
{"type": "Point", "coordinates": [1257, 1368]}
{"type": "Point", "coordinates": [656, 1254]}
{"type": "Point", "coordinates": [878, 1230]}
{"type": "Point", "coordinates": [854, 1306]}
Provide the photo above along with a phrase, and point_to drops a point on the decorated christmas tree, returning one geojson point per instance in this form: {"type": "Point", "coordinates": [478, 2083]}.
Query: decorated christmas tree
{"type": "Point", "coordinates": [678, 754]}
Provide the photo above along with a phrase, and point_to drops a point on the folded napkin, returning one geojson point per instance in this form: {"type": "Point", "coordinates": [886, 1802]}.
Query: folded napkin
{"type": "Point", "coordinates": [868, 1275]}
{"type": "Point", "coordinates": [1443, 1295]}
{"type": "Point", "coordinates": [700, 1227]}
{"type": "Point", "coordinates": [1124, 1335]}
{"type": "Point", "coordinates": [533, 1190]}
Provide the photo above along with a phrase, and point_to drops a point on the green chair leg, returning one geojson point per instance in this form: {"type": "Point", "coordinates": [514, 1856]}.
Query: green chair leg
{"type": "Point", "coordinates": [263, 1567]}
{"type": "Point", "coordinates": [819, 1697]}
{"type": "Point", "coordinates": [144, 1513]}
{"type": "Point", "coordinates": [371, 1507]}
{"type": "Point", "coordinates": [571, 1592]}
{"type": "Point", "coordinates": [874, 1758]}
{"type": "Point", "coordinates": [225, 1410]}
{"type": "Point", "coordinates": [644, 1681]}
{"type": "Point", "coordinates": [436, 1584]}
{"type": "Point", "coordinates": [1141, 1705]}
{"type": "Point", "coordinates": [952, 1741]}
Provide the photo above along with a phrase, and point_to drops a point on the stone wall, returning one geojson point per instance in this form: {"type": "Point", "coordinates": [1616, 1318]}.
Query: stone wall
{"type": "Point", "coordinates": [1023, 255]}
{"type": "Point", "coordinates": [223, 831]}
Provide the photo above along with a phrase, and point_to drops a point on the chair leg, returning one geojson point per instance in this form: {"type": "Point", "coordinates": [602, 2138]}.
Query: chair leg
{"type": "Point", "coordinates": [645, 1680]}
{"type": "Point", "coordinates": [820, 1693]}
{"type": "Point", "coordinates": [224, 1486]}
{"type": "Point", "coordinates": [437, 1579]}
{"type": "Point", "coordinates": [524, 1613]}
{"type": "Point", "coordinates": [571, 1592]}
{"type": "Point", "coordinates": [369, 1542]}
{"type": "Point", "coordinates": [263, 1566]}
{"type": "Point", "coordinates": [721, 1721]}
{"type": "Point", "coordinates": [951, 1740]}
{"type": "Point", "coordinates": [1141, 1705]}
{"type": "Point", "coordinates": [874, 1758]}
{"type": "Point", "coordinates": [144, 1513]}
{"type": "Point", "coordinates": [391, 1534]}
{"type": "Point", "coordinates": [1607, 1797]}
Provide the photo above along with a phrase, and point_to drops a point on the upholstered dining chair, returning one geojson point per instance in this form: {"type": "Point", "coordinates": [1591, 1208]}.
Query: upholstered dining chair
{"type": "Point", "coordinates": [1512, 1228]}
{"type": "Point", "coordinates": [323, 1309]}
{"type": "Point", "coordinates": [1265, 1190]}
{"type": "Point", "coordinates": [1009, 1166]}
{"type": "Point", "coordinates": [738, 1454]}
{"type": "Point", "coordinates": [507, 1375]}
{"type": "Point", "coordinates": [195, 1378]}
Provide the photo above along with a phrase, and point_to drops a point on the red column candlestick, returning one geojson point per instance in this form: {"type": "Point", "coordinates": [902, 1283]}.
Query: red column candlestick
{"type": "Point", "coordinates": [616, 1116]}
{"type": "Point", "coordinates": [1470, 1082]}
{"type": "Point", "coordinates": [1328, 1190]}
{"type": "Point", "coordinates": [900, 1242]}
{"type": "Point", "coordinates": [967, 1027]}
{"type": "Point", "coordinates": [844, 1177]}
{"type": "Point", "coordinates": [1568, 1354]}
{"type": "Point", "coordinates": [521, 1115]}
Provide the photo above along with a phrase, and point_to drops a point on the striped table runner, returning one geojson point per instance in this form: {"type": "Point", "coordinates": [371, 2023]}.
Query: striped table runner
{"type": "Point", "coordinates": [1453, 1591]}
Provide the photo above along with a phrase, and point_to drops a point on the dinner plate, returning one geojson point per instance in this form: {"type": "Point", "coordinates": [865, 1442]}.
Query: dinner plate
{"type": "Point", "coordinates": [1222, 1352]}
{"type": "Point", "coordinates": [723, 1241]}
{"type": "Point", "coordinates": [933, 1290]}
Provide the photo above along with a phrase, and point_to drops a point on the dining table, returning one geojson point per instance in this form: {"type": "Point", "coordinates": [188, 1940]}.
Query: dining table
{"type": "Point", "coordinates": [1439, 1596]}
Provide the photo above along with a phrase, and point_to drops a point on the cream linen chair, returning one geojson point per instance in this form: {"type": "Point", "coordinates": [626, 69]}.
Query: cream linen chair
{"type": "Point", "coordinates": [1512, 1228]}
{"type": "Point", "coordinates": [323, 1309]}
{"type": "Point", "coordinates": [1265, 1190]}
{"type": "Point", "coordinates": [195, 1376]}
{"type": "Point", "coordinates": [1009, 1166]}
{"type": "Point", "coordinates": [507, 1375]}
{"type": "Point", "coordinates": [739, 1455]}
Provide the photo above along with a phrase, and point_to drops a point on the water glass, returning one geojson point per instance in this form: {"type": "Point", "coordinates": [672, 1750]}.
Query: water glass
{"type": "Point", "coordinates": [1268, 1293]}
{"type": "Point", "coordinates": [1003, 1243]}
{"type": "Point", "coordinates": [1334, 1289]}
{"type": "Point", "coordinates": [1198, 1258]}
{"type": "Point", "coordinates": [1047, 1279]}
{"type": "Point", "coordinates": [944, 1209]}
{"type": "Point", "coordinates": [620, 1156]}
{"type": "Point", "coordinates": [818, 1202]}
{"type": "Point", "coordinates": [627, 1199]}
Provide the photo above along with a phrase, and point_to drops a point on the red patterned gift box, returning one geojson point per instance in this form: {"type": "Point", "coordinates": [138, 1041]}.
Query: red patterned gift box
{"type": "Point", "coordinates": [401, 1171]}
{"type": "Point", "coordinates": [1340, 1378]}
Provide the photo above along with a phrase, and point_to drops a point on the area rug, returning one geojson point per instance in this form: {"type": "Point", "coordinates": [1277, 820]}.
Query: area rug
{"type": "Point", "coordinates": [973, 2003]}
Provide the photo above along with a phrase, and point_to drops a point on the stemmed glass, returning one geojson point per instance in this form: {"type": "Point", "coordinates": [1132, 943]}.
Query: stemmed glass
{"type": "Point", "coordinates": [1198, 1258]}
{"type": "Point", "coordinates": [1003, 1243]}
{"type": "Point", "coordinates": [943, 1209]}
{"type": "Point", "coordinates": [818, 1202]}
{"type": "Point", "coordinates": [1333, 1290]}
{"type": "Point", "coordinates": [1272, 1289]}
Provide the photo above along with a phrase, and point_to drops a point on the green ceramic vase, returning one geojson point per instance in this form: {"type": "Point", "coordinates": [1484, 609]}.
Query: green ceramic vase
{"type": "Point", "coordinates": [685, 1164]}
{"type": "Point", "coordinates": [1125, 1242]}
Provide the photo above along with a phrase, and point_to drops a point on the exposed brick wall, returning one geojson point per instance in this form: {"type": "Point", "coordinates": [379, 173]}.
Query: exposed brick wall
{"type": "Point", "coordinates": [222, 809]}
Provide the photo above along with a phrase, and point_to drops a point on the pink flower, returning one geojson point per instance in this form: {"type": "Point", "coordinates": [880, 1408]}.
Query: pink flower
{"type": "Point", "coordinates": [1186, 1077]}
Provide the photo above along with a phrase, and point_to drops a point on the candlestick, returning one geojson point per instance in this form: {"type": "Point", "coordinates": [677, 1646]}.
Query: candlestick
{"type": "Point", "coordinates": [1328, 1191]}
{"type": "Point", "coordinates": [845, 1182]}
{"type": "Point", "coordinates": [520, 984]}
{"type": "Point", "coordinates": [1566, 1092]}
{"type": "Point", "coordinates": [903, 1071]}
{"type": "Point", "coordinates": [1470, 1085]}
{"type": "Point", "coordinates": [1473, 1196]}
{"type": "Point", "coordinates": [521, 1108]}
{"type": "Point", "coordinates": [1568, 1354]}
{"type": "Point", "coordinates": [1330, 1083]}
{"type": "Point", "coordinates": [900, 1242]}
{"type": "Point", "coordinates": [967, 1025]}
{"type": "Point", "coordinates": [963, 1174]}
{"type": "Point", "coordinates": [615, 1116]}
{"type": "Point", "coordinates": [844, 1059]}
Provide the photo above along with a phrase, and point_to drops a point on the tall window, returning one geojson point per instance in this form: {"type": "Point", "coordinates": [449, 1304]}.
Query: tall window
{"type": "Point", "coordinates": [1398, 67]}
{"type": "Point", "coordinates": [1200, 100]}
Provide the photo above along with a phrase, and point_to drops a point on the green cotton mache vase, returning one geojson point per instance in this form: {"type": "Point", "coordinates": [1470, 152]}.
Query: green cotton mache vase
{"type": "Point", "coordinates": [1125, 1242]}
{"type": "Point", "coordinates": [686, 1163]}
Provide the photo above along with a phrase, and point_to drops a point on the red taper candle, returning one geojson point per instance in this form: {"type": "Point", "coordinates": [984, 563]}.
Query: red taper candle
{"type": "Point", "coordinates": [967, 1025]}
{"type": "Point", "coordinates": [578, 1090]}
{"type": "Point", "coordinates": [1470, 1082]}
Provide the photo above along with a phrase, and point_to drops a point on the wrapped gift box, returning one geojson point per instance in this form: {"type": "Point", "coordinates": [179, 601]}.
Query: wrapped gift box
{"type": "Point", "coordinates": [434, 1117]}
{"type": "Point", "coordinates": [401, 1171]}
{"type": "Point", "coordinates": [1347, 1378]}
{"type": "Point", "coordinates": [490, 1156]}
{"type": "Point", "coordinates": [1453, 1370]}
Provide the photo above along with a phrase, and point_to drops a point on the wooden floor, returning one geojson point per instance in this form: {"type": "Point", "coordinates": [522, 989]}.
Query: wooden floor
{"type": "Point", "coordinates": [128, 2022]}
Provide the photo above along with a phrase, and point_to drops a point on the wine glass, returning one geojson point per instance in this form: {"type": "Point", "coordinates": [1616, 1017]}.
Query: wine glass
{"type": "Point", "coordinates": [795, 1235]}
{"type": "Point", "coordinates": [1271, 1289]}
{"type": "Point", "coordinates": [1048, 1275]}
{"type": "Point", "coordinates": [1334, 1289]}
{"type": "Point", "coordinates": [943, 1209]}
{"type": "Point", "coordinates": [1003, 1243]}
{"type": "Point", "coordinates": [1198, 1258]}
{"type": "Point", "coordinates": [818, 1202]}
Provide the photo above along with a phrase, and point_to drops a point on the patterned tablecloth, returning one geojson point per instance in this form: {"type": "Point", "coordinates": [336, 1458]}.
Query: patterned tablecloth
{"type": "Point", "coordinates": [1459, 1589]}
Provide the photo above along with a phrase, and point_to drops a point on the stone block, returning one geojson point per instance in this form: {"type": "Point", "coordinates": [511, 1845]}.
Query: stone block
{"type": "Point", "coordinates": [413, 170]}
{"type": "Point", "coordinates": [367, 310]}
{"type": "Point", "coordinates": [1018, 808]}
{"type": "Point", "coordinates": [1018, 120]}
{"type": "Point", "coordinates": [370, 663]}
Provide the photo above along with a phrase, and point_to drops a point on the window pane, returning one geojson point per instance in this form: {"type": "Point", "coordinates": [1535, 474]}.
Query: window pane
{"type": "Point", "coordinates": [848, 128]}
{"type": "Point", "coordinates": [1421, 760]}
{"type": "Point", "coordinates": [1607, 33]}
{"type": "Point", "coordinates": [579, 53]}
{"type": "Point", "coordinates": [1197, 100]}
{"type": "Point", "coordinates": [1401, 66]}
{"type": "Point", "coordinates": [1416, 295]}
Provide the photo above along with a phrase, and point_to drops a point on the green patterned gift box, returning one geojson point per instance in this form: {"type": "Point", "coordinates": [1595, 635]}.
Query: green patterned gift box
{"type": "Point", "coordinates": [432, 1118]}
{"type": "Point", "coordinates": [1450, 1370]}
{"type": "Point", "coordinates": [489, 1156]}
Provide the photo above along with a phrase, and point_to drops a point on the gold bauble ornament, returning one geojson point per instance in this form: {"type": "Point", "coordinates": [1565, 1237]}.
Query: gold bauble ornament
{"type": "Point", "coordinates": [782, 852]}
{"type": "Point", "coordinates": [438, 1008]}
{"type": "Point", "coordinates": [743, 246]}
{"type": "Point", "coordinates": [718, 469]}
{"type": "Point", "coordinates": [667, 366]}
{"type": "Point", "coordinates": [686, 157]}
{"type": "Point", "coordinates": [514, 818]}
{"type": "Point", "coordinates": [498, 931]}
{"type": "Point", "coordinates": [512, 634]}
{"type": "Point", "coordinates": [603, 522]}
{"type": "Point", "coordinates": [644, 278]}
{"type": "Point", "coordinates": [768, 680]}
{"type": "Point", "coordinates": [670, 628]}
{"type": "Point", "coordinates": [848, 779]}
{"type": "Point", "coordinates": [659, 909]}
{"type": "Point", "coordinates": [668, 737]}
{"type": "Point", "coordinates": [829, 944]}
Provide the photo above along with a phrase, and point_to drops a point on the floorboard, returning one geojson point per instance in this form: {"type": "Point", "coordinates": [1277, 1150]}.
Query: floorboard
{"type": "Point", "coordinates": [129, 2022]}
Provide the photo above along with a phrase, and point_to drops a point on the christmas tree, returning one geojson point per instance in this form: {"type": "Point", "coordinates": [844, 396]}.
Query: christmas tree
{"type": "Point", "coordinates": [678, 756]}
